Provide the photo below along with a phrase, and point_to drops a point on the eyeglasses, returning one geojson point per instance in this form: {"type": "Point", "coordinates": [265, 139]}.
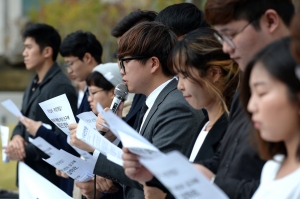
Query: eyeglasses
{"type": "Point", "coordinates": [128, 59]}
{"type": "Point", "coordinates": [229, 40]}
{"type": "Point", "coordinates": [91, 94]}
{"type": "Point", "coordinates": [68, 64]}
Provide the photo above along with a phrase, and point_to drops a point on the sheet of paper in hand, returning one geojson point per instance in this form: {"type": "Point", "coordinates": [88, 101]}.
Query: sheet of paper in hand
{"type": "Point", "coordinates": [129, 137]}
{"type": "Point", "coordinates": [86, 155]}
{"type": "Point", "coordinates": [74, 167]}
{"type": "Point", "coordinates": [11, 107]}
{"type": "Point", "coordinates": [4, 140]}
{"type": "Point", "coordinates": [44, 146]}
{"type": "Point", "coordinates": [182, 179]}
{"type": "Point", "coordinates": [89, 118]}
{"type": "Point", "coordinates": [93, 138]}
{"type": "Point", "coordinates": [59, 111]}
{"type": "Point", "coordinates": [33, 185]}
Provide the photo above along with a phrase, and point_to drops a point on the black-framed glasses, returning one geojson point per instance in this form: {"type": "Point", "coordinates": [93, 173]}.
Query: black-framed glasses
{"type": "Point", "coordinates": [91, 94]}
{"type": "Point", "coordinates": [69, 64]}
{"type": "Point", "coordinates": [229, 40]}
{"type": "Point", "coordinates": [128, 59]}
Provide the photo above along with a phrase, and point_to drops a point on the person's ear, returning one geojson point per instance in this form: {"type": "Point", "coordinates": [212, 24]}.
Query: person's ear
{"type": "Point", "coordinates": [111, 93]}
{"type": "Point", "coordinates": [214, 73]}
{"type": "Point", "coordinates": [270, 21]}
{"type": "Point", "coordinates": [47, 52]}
{"type": "Point", "coordinates": [87, 58]}
{"type": "Point", "coordinates": [155, 64]}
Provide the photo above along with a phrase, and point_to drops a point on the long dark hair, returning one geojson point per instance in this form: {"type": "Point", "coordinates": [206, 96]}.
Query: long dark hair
{"type": "Point", "coordinates": [277, 59]}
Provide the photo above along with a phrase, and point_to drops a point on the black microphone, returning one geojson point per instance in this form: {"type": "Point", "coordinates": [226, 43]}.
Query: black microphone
{"type": "Point", "coordinates": [121, 92]}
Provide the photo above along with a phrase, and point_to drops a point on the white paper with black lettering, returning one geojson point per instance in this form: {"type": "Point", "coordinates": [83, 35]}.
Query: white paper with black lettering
{"type": "Point", "coordinates": [12, 107]}
{"type": "Point", "coordinates": [74, 167]}
{"type": "Point", "coordinates": [59, 111]}
{"type": "Point", "coordinates": [4, 140]}
{"type": "Point", "coordinates": [33, 186]}
{"type": "Point", "coordinates": [93, 138]}
{"type": "Point", "coordinates": [89, 118]}
{"type": "Point", "coordinates": [129, 137]}
{"type": "Point", "coordinates": [182, 179]}
{"type": "Point", "coordinates": [44, 146]}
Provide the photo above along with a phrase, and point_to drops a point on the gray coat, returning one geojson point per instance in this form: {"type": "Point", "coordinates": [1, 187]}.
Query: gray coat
{"type": "Point", "coordinates": [170, 125]}
{"type": "Point", "coordinates": [54, 83]}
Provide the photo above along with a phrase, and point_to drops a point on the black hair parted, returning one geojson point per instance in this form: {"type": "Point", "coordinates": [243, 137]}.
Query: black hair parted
{"type": "Point", "coordinates": [78, 43]}
{"type": "Point", "coordinates": [131, 20]}
{"type": "Point", "coordinates": [44, 35]}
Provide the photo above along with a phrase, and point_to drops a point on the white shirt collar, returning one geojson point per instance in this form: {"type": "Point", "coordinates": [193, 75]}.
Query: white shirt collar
{"type": "Point", "coordinates": [152, 97]}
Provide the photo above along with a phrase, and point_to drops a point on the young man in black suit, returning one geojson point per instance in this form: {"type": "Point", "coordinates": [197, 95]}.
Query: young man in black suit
{"type": "Point", "coordinates": [41, 44]}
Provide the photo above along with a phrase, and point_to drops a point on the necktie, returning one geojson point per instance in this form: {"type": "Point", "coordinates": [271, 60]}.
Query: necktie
{"type": "Point", "coordinates": [141, 116]}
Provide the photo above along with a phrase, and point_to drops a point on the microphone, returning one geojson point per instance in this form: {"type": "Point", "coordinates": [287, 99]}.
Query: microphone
{"type": "Point", "coordinates": [121, 92]}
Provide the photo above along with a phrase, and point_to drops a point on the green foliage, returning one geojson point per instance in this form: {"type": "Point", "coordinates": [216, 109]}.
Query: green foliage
{"type": "Point", "coordinates": [96, 16]}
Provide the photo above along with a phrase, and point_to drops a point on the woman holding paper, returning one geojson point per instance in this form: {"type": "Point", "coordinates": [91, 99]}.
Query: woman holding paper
{"type": "Point", "coordinates": [271, 95]}
{"type": "Point", "coordinates": [208, 79]}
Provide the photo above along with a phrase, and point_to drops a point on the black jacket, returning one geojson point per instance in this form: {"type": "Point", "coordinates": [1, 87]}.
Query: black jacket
{"type": "Point", "coordinates": [54, 83]}
{"type": "Point", "coordinates": [237, 164]}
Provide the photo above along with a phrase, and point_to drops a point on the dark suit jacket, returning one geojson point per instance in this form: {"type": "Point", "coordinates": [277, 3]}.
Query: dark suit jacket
{"type": "Point", "coordinates": [208, 148]}
{"type": "Point", "coordinates": [170, 125]}
{"type": "Point", "coordinates": [213, 138]}
{"type": "Point", "coordinates": [237, 164]}
{"type": "Point", "coordinates": [54, 83]}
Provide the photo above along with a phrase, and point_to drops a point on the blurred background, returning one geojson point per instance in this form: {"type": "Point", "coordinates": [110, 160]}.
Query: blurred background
{"type": "Point", "coordinates": [96, 16]}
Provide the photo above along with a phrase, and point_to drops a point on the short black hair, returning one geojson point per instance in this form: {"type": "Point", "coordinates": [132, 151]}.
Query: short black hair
{"type": "Point", "coordinates": [78, 43]}
{"type": "Point", "coordinates": [44, 35]}
{"type": "Point", "coordinates": [97, 79]}
{"type": "Point", "coordinates": [131, 20]}
{"type": "Point", "coordinates": [182, 18]}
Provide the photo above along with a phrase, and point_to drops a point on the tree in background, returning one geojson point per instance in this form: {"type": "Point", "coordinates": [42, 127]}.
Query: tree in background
{"type": "Point", "coordinates": [96, 16]}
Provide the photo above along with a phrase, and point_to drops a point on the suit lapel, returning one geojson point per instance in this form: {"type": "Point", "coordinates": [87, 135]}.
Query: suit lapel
{"type": "Point", "coordinates": [214, 135]}
{"type": "Point", "coordinates": [160, 98]}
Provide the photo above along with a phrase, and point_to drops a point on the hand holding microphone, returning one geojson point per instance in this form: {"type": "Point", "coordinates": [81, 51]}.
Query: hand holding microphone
{"type": "Point", "coordinates": [117, 105]}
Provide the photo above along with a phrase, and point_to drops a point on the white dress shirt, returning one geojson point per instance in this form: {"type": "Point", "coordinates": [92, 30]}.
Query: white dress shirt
{"type": "Point", "coordinates": [287, 187]}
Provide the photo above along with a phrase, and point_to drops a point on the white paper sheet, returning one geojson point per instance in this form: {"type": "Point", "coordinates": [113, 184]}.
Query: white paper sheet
{"type": "Point", "coordinates": [87, 157]}
{"type": "Point", "coordinates": [129, 137]}
{"type": "Point", "coordinates": [44, 146]}
{"type": "Point", "coordinates": [4, 140]}
{"type": "Point", "coordinates": [181, 178]}
{"type": "Point", "coordinates": [33, 186]}
{"type": "Point", "coordinates": [11, 107]}
{"type": "Point", "coordinates": [93, 138]}
{"type": "Point", "coordinates": [89, 118]}
{"type": "Point", "coordinates": [59, 111]}
{"type": "Point", "coordinates": [74, 167]}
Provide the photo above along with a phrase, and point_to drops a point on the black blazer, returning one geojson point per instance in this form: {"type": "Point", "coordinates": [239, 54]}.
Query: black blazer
{"type": "Point", "coordinates": [208, 148]}
{"type": "Point", "coordinates": [213, 138]}
{"type": "Point", "coordinates": [54, 83]}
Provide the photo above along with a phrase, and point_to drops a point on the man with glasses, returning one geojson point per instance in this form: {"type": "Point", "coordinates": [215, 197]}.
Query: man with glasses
{"type": "Point", "coordinates": [244, 27]}
{"type": "Point", "coordinates": [82, 53]}
{"type": "Point", "coordinates": [166, 119]}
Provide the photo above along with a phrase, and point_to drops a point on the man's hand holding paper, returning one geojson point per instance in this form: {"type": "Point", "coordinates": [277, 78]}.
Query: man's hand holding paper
{"type": "Point", "coordinates": [31, 126]}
